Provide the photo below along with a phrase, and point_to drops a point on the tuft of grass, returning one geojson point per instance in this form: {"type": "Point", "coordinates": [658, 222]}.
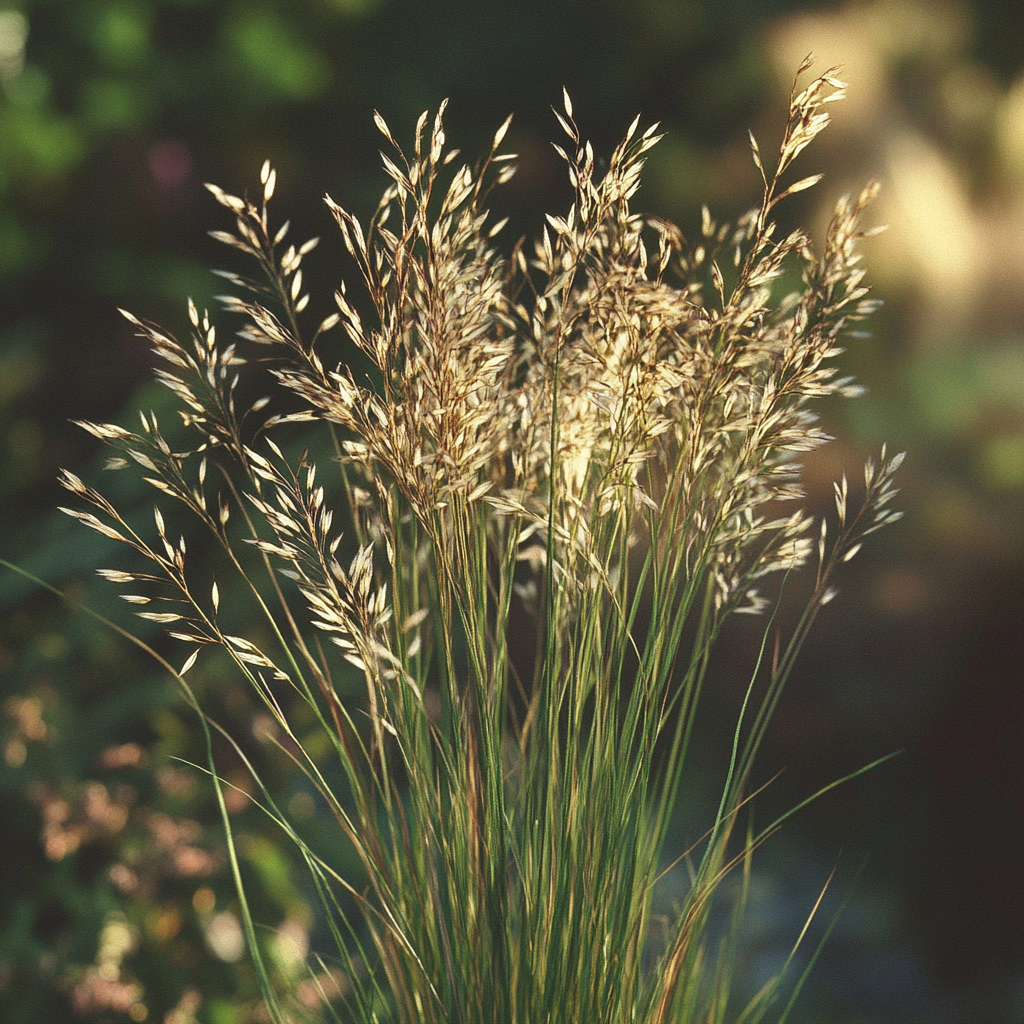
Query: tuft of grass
{"type": "Point", "coordinates": [561, 471]}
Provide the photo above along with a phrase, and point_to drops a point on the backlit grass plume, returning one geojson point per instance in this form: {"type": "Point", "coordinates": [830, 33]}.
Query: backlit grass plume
{"type": "Point", "coordinates": [597, 435]}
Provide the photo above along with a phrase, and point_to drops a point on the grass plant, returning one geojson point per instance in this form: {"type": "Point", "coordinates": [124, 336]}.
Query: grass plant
{"type": "Point", "coordinates": [562, 469]}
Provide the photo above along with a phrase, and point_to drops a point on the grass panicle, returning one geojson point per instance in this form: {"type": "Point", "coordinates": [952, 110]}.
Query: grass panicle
{"type": "Point", "coordinates": [597, 436]}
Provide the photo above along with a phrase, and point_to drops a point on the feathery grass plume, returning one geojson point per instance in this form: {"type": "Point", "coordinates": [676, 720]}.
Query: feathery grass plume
{"type": "Point", "coordinates": [601, 432]}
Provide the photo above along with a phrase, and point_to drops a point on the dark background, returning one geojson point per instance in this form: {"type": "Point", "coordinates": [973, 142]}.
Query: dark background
{"type": "Point", "coordinates": [112, 114]}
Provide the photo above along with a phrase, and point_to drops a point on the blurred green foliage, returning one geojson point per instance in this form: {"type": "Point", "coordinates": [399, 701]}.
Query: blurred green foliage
{"type": "Point", "coordinates": [112, 113]}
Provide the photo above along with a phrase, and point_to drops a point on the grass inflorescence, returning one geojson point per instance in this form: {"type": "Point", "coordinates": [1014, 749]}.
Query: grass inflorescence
{"type": "Point", "coordinates": [597, 435]}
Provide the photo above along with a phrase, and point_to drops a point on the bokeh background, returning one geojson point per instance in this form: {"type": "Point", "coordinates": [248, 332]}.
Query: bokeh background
{"type": "Point", "coordinates": [115, 904]}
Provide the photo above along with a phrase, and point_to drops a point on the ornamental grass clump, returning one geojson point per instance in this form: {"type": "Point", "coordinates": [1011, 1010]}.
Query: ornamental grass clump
{"type": "Point", "coordinates": [597, 436]}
